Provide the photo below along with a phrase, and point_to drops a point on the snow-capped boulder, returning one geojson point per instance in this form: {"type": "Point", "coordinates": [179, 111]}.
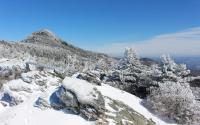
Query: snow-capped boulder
{"type": "Point", "coordinates": [85, 92]}
{"type": "Point", "coordinates": [11, 98]}
{"type": "Point", "coordinates": [26, 78]}
{"type": "Point", "coordinates": [18, 85]}
{"type": "Point", "coordinates": [82, 97]}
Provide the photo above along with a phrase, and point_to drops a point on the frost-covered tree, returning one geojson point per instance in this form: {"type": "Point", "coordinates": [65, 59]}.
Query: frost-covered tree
{"type": "Point", "coordinates": [172, 70]}
{"type": "Point", "coordinates": [131, 75]}
{"type": "Point", "coordinates": [130, 58]}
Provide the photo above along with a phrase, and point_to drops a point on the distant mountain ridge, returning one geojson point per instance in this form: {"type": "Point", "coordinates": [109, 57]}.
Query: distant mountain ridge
{"type": "Point", "coordinates": [48, 38]}
{"type": "Point", "coordinates": [45, 47]}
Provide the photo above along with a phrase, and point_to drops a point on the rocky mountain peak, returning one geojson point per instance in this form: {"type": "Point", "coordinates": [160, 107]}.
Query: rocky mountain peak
{"type": "Point", "coordinates": [44, 33]}
{"type": "Point", "coordinates": [45, 37]}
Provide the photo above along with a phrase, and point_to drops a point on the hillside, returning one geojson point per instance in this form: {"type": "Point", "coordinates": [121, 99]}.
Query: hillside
{"type": "Point", "coordinates": [44, 47]}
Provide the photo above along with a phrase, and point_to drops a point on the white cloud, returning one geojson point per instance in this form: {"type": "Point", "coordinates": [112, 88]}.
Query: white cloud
{"type": "Point", "coordinates": [185, 42]}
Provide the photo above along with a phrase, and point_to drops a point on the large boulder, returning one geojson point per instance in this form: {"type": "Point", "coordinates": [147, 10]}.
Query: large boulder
{"type": "Point", "coordinates": [82, 97]}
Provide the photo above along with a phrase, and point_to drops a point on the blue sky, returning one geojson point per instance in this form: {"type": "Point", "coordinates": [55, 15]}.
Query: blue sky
{"type": "Point", "coordinates": [91, 24]}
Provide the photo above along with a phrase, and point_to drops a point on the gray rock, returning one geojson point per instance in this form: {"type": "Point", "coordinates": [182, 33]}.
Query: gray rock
{"type": "Point", "coordinates": [5, 72]}
{"type": "Point", "coordinates": [40, 82]}
{"type": "Point", "coordinates": [11, 99]}
{"type": "Point", "coordinates": [67, 97]}
{"type": "Point", "coordinates": [42, 103]}
{"type": "Point", "coordinates": [90, 77]}
{"type": "Point", "coordinates": [55, 101]}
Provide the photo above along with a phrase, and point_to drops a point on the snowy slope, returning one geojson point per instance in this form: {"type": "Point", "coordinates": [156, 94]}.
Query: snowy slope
{"type": "Point", "coordinates": [27, 114]}
{"type": "Point", "coordinates": [130, 100]}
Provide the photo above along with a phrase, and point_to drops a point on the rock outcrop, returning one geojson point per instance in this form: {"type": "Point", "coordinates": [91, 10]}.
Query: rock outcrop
{"type": "Point", "coordinates": [82, 97]}
{"type": "Point", "coordinates": [91, 77]}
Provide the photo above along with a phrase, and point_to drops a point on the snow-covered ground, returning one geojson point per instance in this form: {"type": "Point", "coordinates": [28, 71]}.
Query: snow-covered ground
{"type": "Point", "coordinates": [4, 62]}
{"type": "Point", "coordinates": [27, 114]}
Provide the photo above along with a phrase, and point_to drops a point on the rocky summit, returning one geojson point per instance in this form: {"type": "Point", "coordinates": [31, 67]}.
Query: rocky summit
{"type": "Point", "coordinates": [45, 37]}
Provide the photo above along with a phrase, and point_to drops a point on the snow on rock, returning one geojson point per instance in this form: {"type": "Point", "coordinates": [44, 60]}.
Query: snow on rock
{"type": "Point", "coordinates": [81, 96]}
{"type": "Point", "coordinates": [11, 98]}
{"type": "Point", "coordinates": [19, 85]}
{"type": "Point", "coordinates": [86, 93]}
{"type": "Point", "coordinates": [119, 113]}
{"type": "Point", "coordinates": [130, 100]}
{"type": "Point", "coordinates": [2, 106]}
{"type": "Point", "coordinates": [26, 78]}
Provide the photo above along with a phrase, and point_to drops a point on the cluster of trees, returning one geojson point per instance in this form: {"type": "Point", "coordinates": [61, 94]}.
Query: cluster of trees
{"type": "Point", "coordinates": [165, 87]}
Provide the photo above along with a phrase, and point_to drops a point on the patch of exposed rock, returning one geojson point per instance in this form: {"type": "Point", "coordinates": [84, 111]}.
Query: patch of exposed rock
{"type": "Point", "coordinates": [121, 114]}
{"type": "Point", "coordinates": [91, 77]}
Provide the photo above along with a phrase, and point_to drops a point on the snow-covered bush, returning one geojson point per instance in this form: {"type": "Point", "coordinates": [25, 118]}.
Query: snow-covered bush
{"type": "Point", "coordinates": [175, 100]}
{"type": "Point", "coordinates": [10, 72]}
